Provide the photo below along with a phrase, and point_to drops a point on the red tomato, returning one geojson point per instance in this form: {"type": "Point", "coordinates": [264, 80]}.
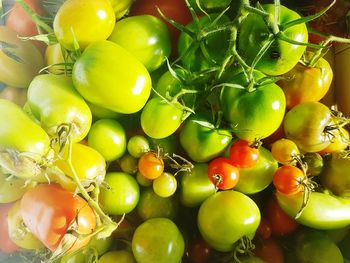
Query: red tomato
{"type": "Point", "coordinates": [264, 229]}
{"type": "Point", "coordinates": [48, 211]}
{"type": "Point", "coordinates": [288, 179]}
{"type": "Point", "coordinates": [270, 251]}
{"type": "Point", "coordinates": [223, 173]}
{"type": "Point", "coordinates": [6, 244]}
{"type": "Point", "coordinates": [281, 224]}
{"type": "Point", "coordinates": [199, 251]}
{"type": "Point", "coordinates": [243, 154]}
{"type": "Point", "coordinates": [176, 10]}
{"type": "Point", "coordinates": [22, 23]}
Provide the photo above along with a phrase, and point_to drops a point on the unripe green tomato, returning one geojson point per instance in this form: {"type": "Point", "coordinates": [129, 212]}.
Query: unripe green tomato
{"type": "Point", "coordinates": [92, 21]}
{"type": "Point", "coordinates": [108, 137]}
{"type": "Point", "coordinates": [129, 164]}
{"type": "Point", "coordinates": [54, 56]}
{"type": "Point", "coordinates": [146, 37]}
{"type": "Point", "coordinates": [122, 194]}
{"type": "Point", "coordinates": [138, 145]}
{"type": "Point", "coordinates": [120, 256]}
{"type": "Point", "coordinates": [143, 181]}
{"type": "Point", "coordinates": [20, 61]}
{"type": "Point", "coordinates": [110, 77]}
{"type": "Point", "coordinates": [54, 102]}
{"type": "Point", "coordinates": [165, 185]}
{"type": "Point", "coordinates": [121, 7]}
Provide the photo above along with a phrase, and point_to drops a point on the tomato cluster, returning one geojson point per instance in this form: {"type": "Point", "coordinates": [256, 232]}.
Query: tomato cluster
{"type": "Point", "coordinates": [170, 131]}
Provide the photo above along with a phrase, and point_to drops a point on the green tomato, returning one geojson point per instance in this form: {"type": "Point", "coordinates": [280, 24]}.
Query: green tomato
{"type": "Point", "coordinates": [12, 188]}
{"type": "Point", "coordinates": [92, 21]}
{"type": "Point", "coordinates": [121, 7]}
{"type": "Point", "coordinates": [109, 76]}
{"type": "Point", "coordinates": [335, 176]}
{"type": "Point", "coordinates": [255, 114]}
{"type": "Point", "coordinates": [216, 45]}
{"type": "Point", "coordinates": [159, 119]}
{"type": "Point", "coordinates": [122, 194]}
{"type": "Point", "coordinates": [281, 56]}
{"type": "Point", "coordinates": [227, 216]}
{"type": "Point", "coordinates": [146, 37]}
{"type": "Point", "coordinates": [35, 143]}
{"type": "Point", "coordinates": [323, 211]}
{"type": "Point", "coordinates": [196, 185]}
{"type": "Point", "coordinates": [158, 240]}
{"type": "Point", "coordinates": [138, 145]}
{"type": "Point", "coordinates": [257, 178]}
{"type": "Point", "coordinates": [18, 232]}
{"type": "Point", "coordinates": [167, 145]}
{"type": "Point", "coordinates": [20, 61]}
{"type": "Point", "coordinates": [108, 137]}
{"type": "Point", "coordinates": [317, 247]}
{"type": "Point", "coordinates": [306, 124]}
{"type": "Point", "coordinates": [129, 164]}
{"type": "Point", "coordinates": [201, 140]}
{"type": "Point", "coordinates": [78, 257]}
{"type": "Point", "coordinates": [100, 245]}
{"type": "Point", "coordinates": [143, 181]}
{"type": "Point", "coordinates": [99, 112]}
{"type": "Point", "coordinates": [54, 102]}
{"type": "Point", "coordinates": [120, 256]}
{"type": "Point", "coordinates": [165, 185]}
{"type": "Point", "coordinates": [152, 205]}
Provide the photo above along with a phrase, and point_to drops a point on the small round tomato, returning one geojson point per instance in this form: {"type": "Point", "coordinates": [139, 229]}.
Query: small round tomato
{"type": "Point", "coordinates": [121, 194]}
{"type": "Point", "coordinates": [146, 37]}
{"type": "Point", "coordinates": [223, 174]}
{"type": "Point", "coordinates": [316, 78]}
{"type": "Point", "coordinates": [128, 164]}
{"type": "Point", "coordinates": [199, 251]}
{"type": "Point", "coordinates": [281, 224]}
{"type": "Point", "coordinates": [152, 205]}
{"type": "Point", "coordinates": [151, 165]}
{"type": "Point", "coordinates": [243, 154]}
{"type": "Point", "coordinates": [307, 125]}
{"type": "Point", "coordinates": [288, 180]}
{"type": "Point", "coordinates": [158, 240]}
{"type": "Point", "coordinates": [225, 217]}
{"type": "Point", "coordinates": [138, 145]}
{"type": "Point", "coordinates": [264, 230]}
{"type": "Point", "coordinates": [284, 151]}
{"type": "Point", "coordinates": [110, 77]}
{"type": "Point", "coordinates": [269, 250]}
{"type": "Point", "coordinates": [165, 185]}
{"type": "Point", "coordinates": [120, 256]}
{"type": "Point", "coordinates": [108, 137]}
{"type": "Point", "coordinates": [92, 21]}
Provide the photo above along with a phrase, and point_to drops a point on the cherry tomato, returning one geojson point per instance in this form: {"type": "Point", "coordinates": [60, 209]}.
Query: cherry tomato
{"type": "Point", "coordinates": [92, 21]}
{"type": "Point", "coordinates": [281, 224]}
{"type": "Point", "coordinates": [138, 145]}
{"type": "Point", "coordinates": [264, 230]}
{"type": "Point", "coordinates": [6, 244]}
{"type": "Point", "coordinates": [288, 179]}
{"type": "Point", "coordinates": [284, 151]}
{"type": "Point", "coordinates": [199, 251]}
{"type": "Point", "coordinates": [48, 211]}
{"type": "Point", "coordinates": [151, 165]}
{"type": "Point", "coordinates": [165, 185]}
{"type": "Point", "coordinates": [121, 256]}
{"type": "Point", "coordinates": [223, 174]}
{"type": "Point", "coordinates": [270, 251]}
{"type": "Point", "coordinates": [243, 155]}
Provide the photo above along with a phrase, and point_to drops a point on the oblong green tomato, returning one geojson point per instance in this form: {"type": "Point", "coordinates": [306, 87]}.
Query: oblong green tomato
{"type": "Point", "coordinates": [257, 178]}
{"type": "Point", "coordinates": [120, 7]}
{"type": "Point", "coordinates": [23, 143]}
{"type": "Point", "coordinates": [281, 56]}
{"type": "Point", "coordinates": [83, 22]}
{"type": "Point", "coordinates": [335, 175]}
{"type": "Point", "coordinates": [99, 112]}
{"type": "Point", "coordinates": [122, 194]}
{"type": "Point", "coordinates": [152, 205]}
{"type": "Point", "coordinates": [108, 137]}
{"type": "Point", "coordinates": [109, 76]}
{"type": "Point", "coordinates": [316, 247]}
{"type": "Point", "coordinates": [255, 114]}
{"type": "Point", "coordinates": [227, 216]}
{"type": "Point", "coordinates": [146, 37]}
{"type": "Point", "coordinates": [158, 240]}
{"type": "Point", "coordinates": [203, 143]}
{"type": "Point", "coordinates": [12, 188]}
{"type": "Point", "coordinates": [159, 119]}
{"type": "Point", "coordinates": [120, 256]}
{"type": "Point", "coordinates": [196, 186]}
{"type": "Point", "coordinates": [54, 102]}
{"type": "Point", "coordinates": [20, 61]}
{"type": "Point", "coordinates": [323, 211]}
{"type": "Point", "coordinates": [306, 123]}
{"type": "Point", "coordinates": [18, 232]}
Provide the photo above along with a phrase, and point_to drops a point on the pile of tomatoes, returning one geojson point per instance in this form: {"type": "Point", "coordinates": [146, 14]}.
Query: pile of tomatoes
{"type": "Point", "coordinates": [170, 131]}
